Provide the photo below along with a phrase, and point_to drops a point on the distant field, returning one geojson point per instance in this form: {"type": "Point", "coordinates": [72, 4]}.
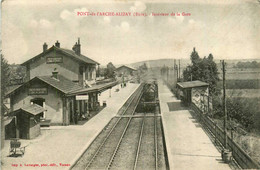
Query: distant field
{"type": "Point", "coordinates": [245, 93]}
{"type": "Point", "coordinates": [241, 84]}
{"type": "Point", "coordinates": [241, 74]}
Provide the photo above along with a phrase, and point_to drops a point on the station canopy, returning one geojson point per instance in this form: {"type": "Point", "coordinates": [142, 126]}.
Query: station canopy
{"type": "Point", "coordinates": [96, 88]}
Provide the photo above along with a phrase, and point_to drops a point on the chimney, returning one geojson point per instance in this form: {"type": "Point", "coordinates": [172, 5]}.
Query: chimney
{"type": "Point", "coordinates": [45, 47]}
{"type": "Point", "coordinates": [57, 44]}
{"type": "Point", "coordinates": [55, 73]}
{"type": "Point", "coordinates": [79, 46]}
{"type": "Point", "coordinates": [76, 47]}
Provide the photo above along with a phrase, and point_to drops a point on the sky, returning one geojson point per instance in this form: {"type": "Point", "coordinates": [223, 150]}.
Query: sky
{"type": "Point", "coordinates": [227, 29]}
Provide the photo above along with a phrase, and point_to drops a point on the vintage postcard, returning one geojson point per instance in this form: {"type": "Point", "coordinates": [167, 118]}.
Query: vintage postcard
{"type": "Point", "coordinates": [125, 84]}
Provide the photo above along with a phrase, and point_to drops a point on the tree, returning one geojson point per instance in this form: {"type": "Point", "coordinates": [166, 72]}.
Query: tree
{"type": "Point", "coordinates": [247, 64]}
{"type": "Point", "coordinates": [244, 111]}
{"type": "Point", "coordinates": [110, 70]}
{"type": "Point", "coordinates": [143, 68]}
{"type": "Point", "coordinates": [202, 69]}
{"type": "Point", "coordinates": [195, 58]}
{"type": "Point", "coordinates": [4, 82]}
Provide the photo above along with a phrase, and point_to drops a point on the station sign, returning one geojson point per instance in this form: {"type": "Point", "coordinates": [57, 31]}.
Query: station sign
{"type": "Point", "coordinates": [38, 91]}
{"type": "Point", "coordinates": [82, 97]}
{"type": "Point", "coordinates": [50, 60]}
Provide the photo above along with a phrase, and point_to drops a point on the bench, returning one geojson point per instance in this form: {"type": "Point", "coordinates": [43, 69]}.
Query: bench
{"type": "Point", "coordinates": [45, 122]}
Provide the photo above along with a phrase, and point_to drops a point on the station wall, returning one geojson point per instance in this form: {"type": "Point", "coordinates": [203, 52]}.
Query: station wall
{"type": "Point", "coordinates": [69, 68]}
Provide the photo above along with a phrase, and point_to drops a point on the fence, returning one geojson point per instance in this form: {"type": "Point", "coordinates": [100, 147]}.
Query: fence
{"type": "Point", "coordinates": [241, 157]}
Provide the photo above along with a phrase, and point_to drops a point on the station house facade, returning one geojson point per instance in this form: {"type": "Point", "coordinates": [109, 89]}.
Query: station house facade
{"type": "Point", "coordinates": [54, 79]}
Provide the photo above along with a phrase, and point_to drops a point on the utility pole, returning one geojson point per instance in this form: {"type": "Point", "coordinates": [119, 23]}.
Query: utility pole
{"type": "Point", "coordinates": [224, 104]}
{"type": "Point", "coordinates": [179, 69]}
{"type": "Point", "coordinates": [176, 70]}
{"type": "Point", "coordinates": [226, 154]}
{"type": "Point", "coordinates": [167, 73]}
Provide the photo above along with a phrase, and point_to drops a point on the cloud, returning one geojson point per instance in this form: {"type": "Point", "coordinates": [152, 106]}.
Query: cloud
{"type": "Point", "coordinates": [180, 18]}
{"type": "Point", "coordinates": [151, 18]}
{"type": "Point", "coordinates": [191, 21]}
{"type": "Point", "coordinates": [172, 21]}
{"type": "Point", "coordinates": [125, 26]}
{"type": "Point", "coordinates": [42, 23]}
{"type": "Point", "coordinates": [65, 14]}
{"type": "Point", "coordinates": [33, 23]}
{"type": "Point", "coordinates": [176, 20]}
{"type": "Point", "coordinates": [138, 7]}
{"type": "Point", "coordinates": [80, 10]}
{"type": "Point", "coordinates": [69, 15]}
{"type": "Point", "coordinates": [16, 50]}
{"type": "Point", "coordinates": [107, 19]}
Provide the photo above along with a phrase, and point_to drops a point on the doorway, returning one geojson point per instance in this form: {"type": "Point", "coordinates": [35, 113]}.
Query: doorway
{"type": "Point", "coordinates": [40, 102]}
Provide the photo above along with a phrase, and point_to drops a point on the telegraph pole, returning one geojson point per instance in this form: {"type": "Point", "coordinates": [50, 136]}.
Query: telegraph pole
{"type": "Point", "coordinates": [225, 154]}
{"type": "Point", "coordinates": [167, 73]}
{"type": "Point", "coordinates": [179, 69]}
{"type": "Point", "coordinates": [176, 70]}
{"type": "Point", "coordinates": [224, 104]}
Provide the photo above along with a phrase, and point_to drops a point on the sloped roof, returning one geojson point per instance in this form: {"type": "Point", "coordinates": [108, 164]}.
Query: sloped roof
{"type": "Point", "coordinates": [67, 52]}
{"type": "Point", "coordinates": [191, 84]}
{"type": "Point", "coordinates": [132, 68]}
{"type": "Point", "coordinates": [32, 109]}
{"type": "Point", "coordinates": [80, 57]}
{"type": "Point", "coordinates": [97, 88]}
{"type": "Point", "coordinates": [62, 84]}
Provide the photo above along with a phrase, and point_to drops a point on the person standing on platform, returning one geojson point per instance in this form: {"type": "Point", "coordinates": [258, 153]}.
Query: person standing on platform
{"type": "Point", "coordinates": [76, 116]}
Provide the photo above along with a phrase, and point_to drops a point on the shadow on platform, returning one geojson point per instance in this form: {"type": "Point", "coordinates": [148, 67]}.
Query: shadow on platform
{"type": "Point", "coordinates": [175, 106]}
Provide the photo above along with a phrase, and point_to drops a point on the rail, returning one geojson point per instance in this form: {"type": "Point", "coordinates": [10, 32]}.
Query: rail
{"type": "Point", "coordinates": [127, 125]}
{"type": "Point", "coordinates": [124, 108]}
{"type": "Point", "coordinates": [139, 144]}
{"type": "Point", "coordinates": [132, 97]}
{"type": "Point", "coordinates": [118, 144]}
{"type": "Point", "coordinates": [155, 143]}
{"type": "Point", "coordinates": [241, 157]}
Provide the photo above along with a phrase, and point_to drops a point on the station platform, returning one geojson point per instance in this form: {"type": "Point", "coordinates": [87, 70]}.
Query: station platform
{"type": "Point", "coordinates": [188, 146]}
{"type": "Point", "coordinates": [65, 144]}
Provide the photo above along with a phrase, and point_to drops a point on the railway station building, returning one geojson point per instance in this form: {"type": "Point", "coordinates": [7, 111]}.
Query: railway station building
{"type": "Point", "coordinates": [125, 70]}
{"type": "Point", "coordinates": [63, 82]}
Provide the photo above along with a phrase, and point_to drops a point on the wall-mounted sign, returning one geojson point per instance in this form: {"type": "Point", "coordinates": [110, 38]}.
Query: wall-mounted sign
{"type": "Point", "coordinates": [82, 97]}
{"type": "Point", "coordinates": [50, 60]}
{"type": "Point", "coordinates": [37, 91]}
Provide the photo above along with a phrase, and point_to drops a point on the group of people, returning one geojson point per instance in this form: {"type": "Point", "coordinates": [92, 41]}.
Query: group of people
{"type": "Point", "coordinates": [123, 84]}
{"type": "Point", "coordinates": [78, 117]}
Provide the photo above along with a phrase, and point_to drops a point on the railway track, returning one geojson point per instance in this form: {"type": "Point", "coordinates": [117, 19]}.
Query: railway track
{"type": "Point", "coordinates": [146, 156]}
{"type": "Point", "coordinates": [130, 143]}
{"type": "Point", "coordinates": [132, 102]}
{"type": "Point", "coordinates": [108, 143]}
